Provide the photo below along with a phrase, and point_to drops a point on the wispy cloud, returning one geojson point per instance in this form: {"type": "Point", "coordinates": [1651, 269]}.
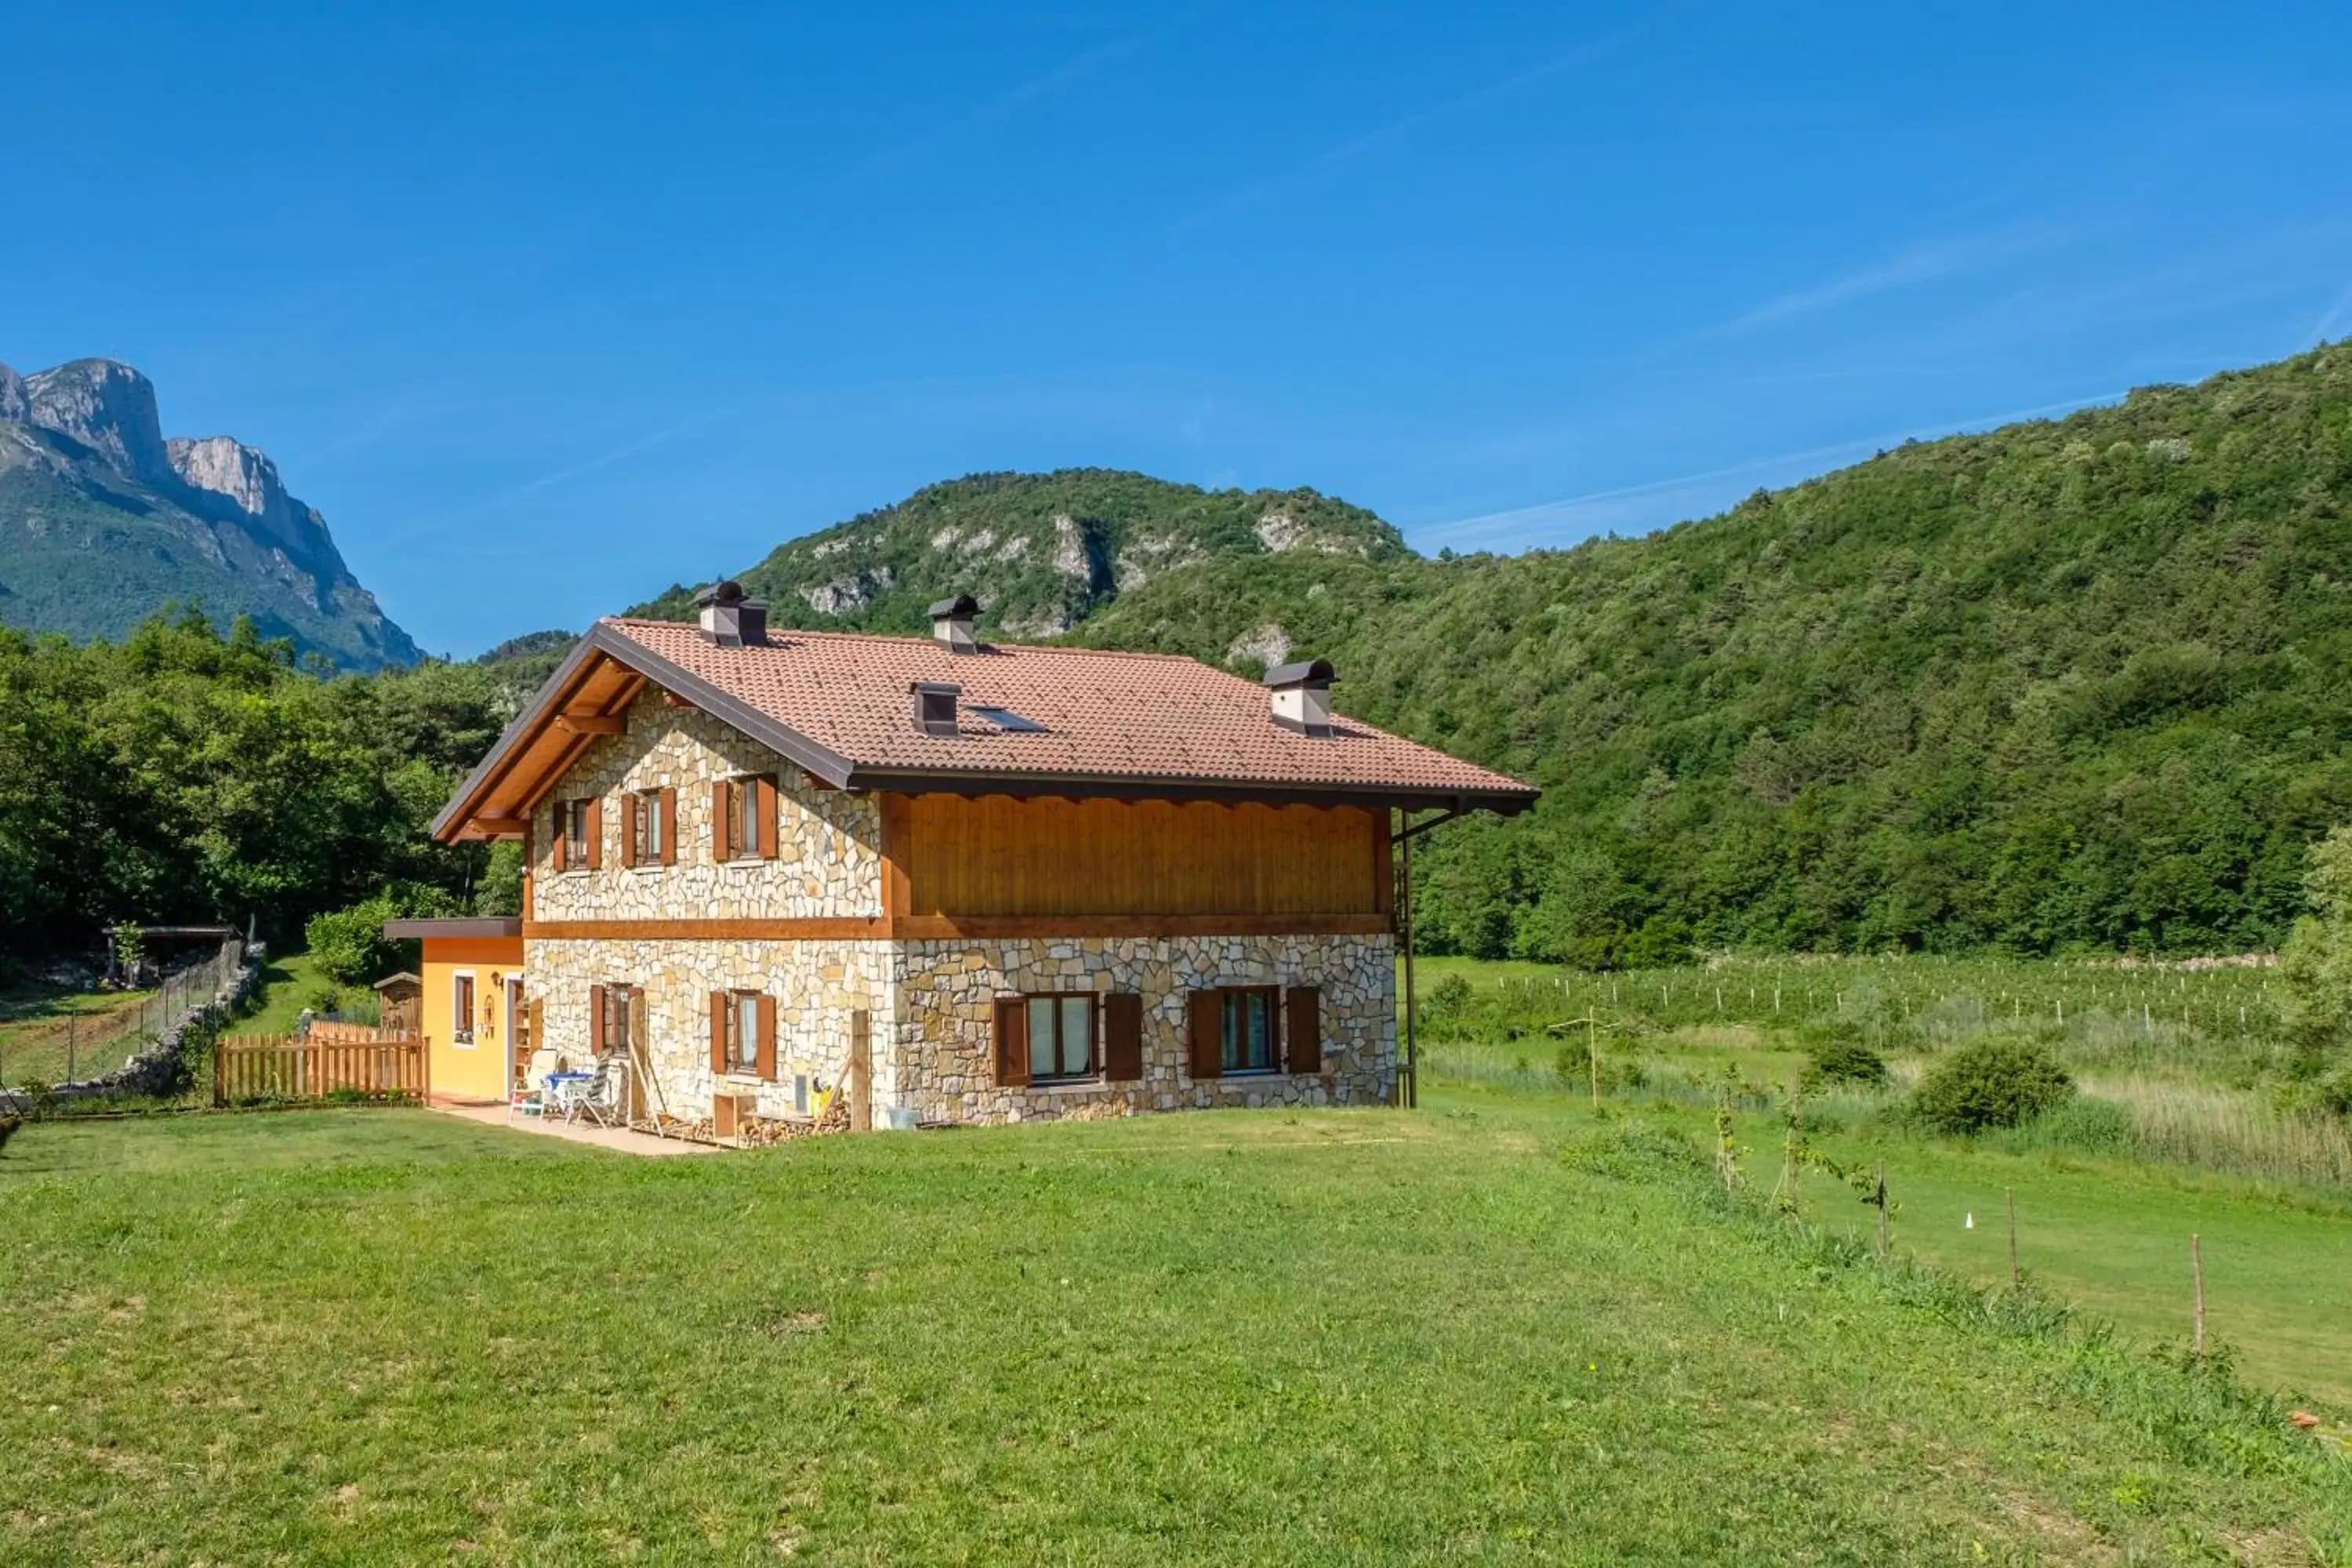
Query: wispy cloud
{"type": "Point", "coordinates": [514, 493]}
{"type": "Point", "coordinates": [2336, 315]}
{"type": "Point", "coordinates": [1381, 135]}
{"type": "Point", "coordinates": [1523, 523]}
{"type": "Point", "coordinates": [1067, 73]}
{"type": "Point", "coordinates": [1922, 263]}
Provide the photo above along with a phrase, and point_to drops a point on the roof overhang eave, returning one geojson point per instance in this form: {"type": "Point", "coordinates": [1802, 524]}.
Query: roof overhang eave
{"type": "Point", "coordinates": [604, 642]}
{"type": "Point", "coordinates": [1504, 800]}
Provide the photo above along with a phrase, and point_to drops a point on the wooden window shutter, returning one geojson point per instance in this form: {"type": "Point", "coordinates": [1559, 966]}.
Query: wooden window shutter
{"type": "Point", "coordinates": [669, 825]}
{"type": "Point", "coordinates": [596, 1019]}
{"type": "Point", "coordinates": [1305, 1026]}
{"type": "Point", "coordinates": [766, 1048]}
{"type": "Point", "coordinates": [721, 849]}
{"type": "Point", "coordinates": [1206, 1026]}
{"type": "Point", "coordinates": [1011, 1040]}
{"type": "Point", "coordinates": [718, 1010]}
{"type": "Point", "coordinates": [595, 831]}
{"type": "Point", "coordinates": [632, 824]}
{"type": "Point", "coordinates": [1122, 1036]}
{"type": "Point", "coordinates": [562, 839]}
{"type": "Point", "coordinates": [765, 788]}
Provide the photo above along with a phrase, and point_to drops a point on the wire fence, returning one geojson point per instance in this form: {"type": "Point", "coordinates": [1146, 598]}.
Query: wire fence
{"type": "Point", "coordinates": [87, 1036]}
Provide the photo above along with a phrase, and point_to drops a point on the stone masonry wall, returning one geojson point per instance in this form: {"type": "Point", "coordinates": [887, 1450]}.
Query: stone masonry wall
{"type": "Point", "coordinates": [828, 863]}
{"type": "Point", "coordinates": [945, 1019]}
{"type": "Point", "coordinates": [816, 984]}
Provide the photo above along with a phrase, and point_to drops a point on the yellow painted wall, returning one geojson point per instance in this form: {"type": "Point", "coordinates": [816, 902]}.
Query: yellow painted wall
{"type": "Point", "coordinates": [479, 1070]}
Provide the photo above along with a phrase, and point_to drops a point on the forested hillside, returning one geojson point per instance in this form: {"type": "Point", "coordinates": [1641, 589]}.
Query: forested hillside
{"type": "Point", "coordinates": [2076, 684]}
{"type": "Point", "coordinates": [184, 775]}
{"type": "Point", "coordinates": [1040, 552]}
{"type": "Point", "coordinates": [2072, 684]}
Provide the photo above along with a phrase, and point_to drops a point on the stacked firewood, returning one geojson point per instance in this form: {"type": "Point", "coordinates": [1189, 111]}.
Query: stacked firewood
{"type": "Point", "coordinates": [761, 1130]}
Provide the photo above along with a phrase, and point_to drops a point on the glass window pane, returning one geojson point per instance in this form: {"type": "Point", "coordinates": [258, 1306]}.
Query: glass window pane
{"type": "Point", "coordinates": [1041, 1038]}
{"type": "Point", "coordinates": [1261, 1047]}
{"type": "Point", "coordinates": [1077, 1034]}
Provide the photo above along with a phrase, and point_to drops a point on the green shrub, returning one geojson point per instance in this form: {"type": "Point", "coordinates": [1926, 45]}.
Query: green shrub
{"type": "Point", "coordinates": [1988, 1083]}
{"type": "Point", "coordinates": [349, 945]}
{"type": "Point", "coordinates": [1450, 997]}
{"type": "Point", "coordinates": [1845, 1061]}
{"type": "Point", "coordinates": [323, 998]}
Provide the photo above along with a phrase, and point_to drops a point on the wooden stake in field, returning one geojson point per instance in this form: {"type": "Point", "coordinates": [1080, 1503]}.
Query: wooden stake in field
{"type": "Point", "coordinates": [2013, 1273]}
{"type": "Point", "coordinates": [2197, 1309]}
{"type": "Point", "coordinates": [1592, 1057]}
{"type": "Point", "coordinates": [1880, 1199]}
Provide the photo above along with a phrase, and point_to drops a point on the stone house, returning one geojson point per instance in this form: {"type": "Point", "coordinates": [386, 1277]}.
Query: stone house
{"type": "Point", "coordinates": [960, 881]}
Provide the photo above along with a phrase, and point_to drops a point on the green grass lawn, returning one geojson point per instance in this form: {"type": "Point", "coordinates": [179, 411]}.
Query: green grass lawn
{"type": "Point", "coordinates": [287, 984]}
{"type": "Point", "coordinates": [49, 1037]}
{"type": "Point", "coordinates": [1490, 1331]}
{"type": "Point", "coordinates": [2113, 1237]}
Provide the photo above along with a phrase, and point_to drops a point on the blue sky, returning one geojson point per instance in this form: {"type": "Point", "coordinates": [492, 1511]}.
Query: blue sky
{"type": "Point", "coordinates": [547, 307]}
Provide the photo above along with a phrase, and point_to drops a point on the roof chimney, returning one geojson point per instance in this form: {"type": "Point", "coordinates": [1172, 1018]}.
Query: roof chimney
{"type": "Point", "coordinates": [729, 618]}
{"type": "Point", "coordinates": [1300, 696]}
{"type": "Point", "coordinates": [951, 623]}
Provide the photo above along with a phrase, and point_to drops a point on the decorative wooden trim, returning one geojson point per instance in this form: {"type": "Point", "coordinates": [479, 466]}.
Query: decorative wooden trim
{"type": "Point", "coordinates": [948, 927]}
{"type": "Point", "coordinates": [895, 894]}
{"type": "Point", "coordinates": [935, 928]}
{"type": "Point", "coordinates": [843, 929]}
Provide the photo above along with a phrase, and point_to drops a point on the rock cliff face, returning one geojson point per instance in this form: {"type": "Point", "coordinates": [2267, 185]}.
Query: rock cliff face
{"type": "Point", "coordinates": [103, 522]}
{"type": "Point", "coordinates": [1041, 553]}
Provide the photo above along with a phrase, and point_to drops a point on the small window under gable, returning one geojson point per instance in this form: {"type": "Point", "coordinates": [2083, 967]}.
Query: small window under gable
{"type": "Point", "coordinates": [935, 706]}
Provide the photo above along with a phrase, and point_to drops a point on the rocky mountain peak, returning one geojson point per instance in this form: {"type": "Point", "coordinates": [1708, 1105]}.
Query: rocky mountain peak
{"type": "Point", "coordinates": [103, 522]}
{"type": "Point", "coordinates": [106, 407]}
{"type": "Point", "coordinates": [224, 467]}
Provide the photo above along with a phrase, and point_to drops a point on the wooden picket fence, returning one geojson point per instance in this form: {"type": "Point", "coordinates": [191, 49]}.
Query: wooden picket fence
{"type": "Point", "coordinates": [333, 1058]}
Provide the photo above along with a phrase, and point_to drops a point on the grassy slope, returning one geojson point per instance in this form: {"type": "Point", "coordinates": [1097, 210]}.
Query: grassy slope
{"type": "Point", "coordinates": [360, 1337]}
{"type": "Point", "coordinates": [49, 1037]}
{"type": "Point", "coordinates": [2112, 1235]}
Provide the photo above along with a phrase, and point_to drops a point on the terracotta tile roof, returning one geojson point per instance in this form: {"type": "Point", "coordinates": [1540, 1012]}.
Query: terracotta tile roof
{"type": "Point", "coordinates": [1106, 716]}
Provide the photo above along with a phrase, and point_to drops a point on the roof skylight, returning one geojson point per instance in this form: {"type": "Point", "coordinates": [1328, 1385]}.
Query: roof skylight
{"type": "Point", "coordinates": [1006, 719]}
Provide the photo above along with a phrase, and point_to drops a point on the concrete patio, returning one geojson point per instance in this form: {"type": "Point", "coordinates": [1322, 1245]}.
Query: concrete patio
{"type": "Point", "coordinates": [620, 1140]}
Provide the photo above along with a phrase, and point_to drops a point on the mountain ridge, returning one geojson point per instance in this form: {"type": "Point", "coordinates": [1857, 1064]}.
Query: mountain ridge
{"type": "Point", "coordinates": [104, 519]}
{"type": "Point", "coordinates": [2064, 685]}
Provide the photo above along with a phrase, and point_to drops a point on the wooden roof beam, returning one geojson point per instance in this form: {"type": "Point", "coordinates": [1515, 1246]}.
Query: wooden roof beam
{"type": "Point", "coordinates": [593, 723]}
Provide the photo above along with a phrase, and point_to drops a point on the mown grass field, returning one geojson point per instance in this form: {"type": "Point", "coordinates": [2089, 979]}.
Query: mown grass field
{"type": "Point", "coordinates": [2107, 1229]}
{"type": "Point", "coordinates": [1490, 1331]}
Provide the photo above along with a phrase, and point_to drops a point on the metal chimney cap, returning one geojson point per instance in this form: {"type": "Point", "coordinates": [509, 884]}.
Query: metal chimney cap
{"type": "Point", "coordinates": [1309, 672]}
{"type": "Point", "coordinates": [725, 590]}
{"type": "Point", "coordinates": [962, 604]}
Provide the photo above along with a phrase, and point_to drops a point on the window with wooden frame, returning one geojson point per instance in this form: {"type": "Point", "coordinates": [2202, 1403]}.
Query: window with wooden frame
{"type": "Point", "coordinates": [578, 834]}
{"type": "Point", "coordinates": [1236, 1030]}
{"type": "Point", "coordinates": [743, 1033]}
{"type": "Point", "coordinates": [649, 830]}
{"type": "Point", "coordinates": [615, 1019]}
{"type": "Point", "coordinates": [461, 1007]}
{"type": "Point", "coordinates": [1069, 1036]}
{"type": "Point", "coordinates": [743, 819]}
